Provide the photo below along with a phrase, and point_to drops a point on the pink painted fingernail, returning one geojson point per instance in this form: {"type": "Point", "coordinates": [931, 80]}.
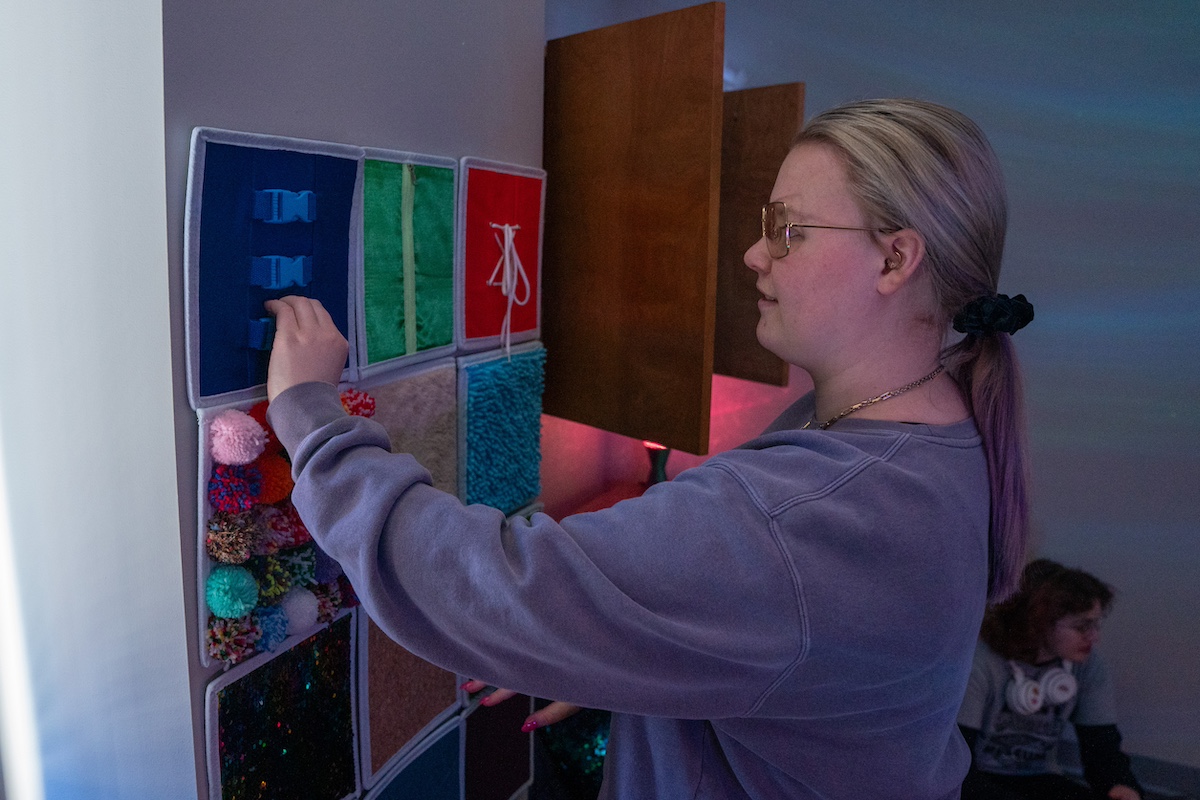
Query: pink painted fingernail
{"type": "Point", "coordinates": [529, 725]}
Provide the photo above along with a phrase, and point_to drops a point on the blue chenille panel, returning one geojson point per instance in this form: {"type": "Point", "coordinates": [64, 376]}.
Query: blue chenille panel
{"type": "Point", "coordinates": [433, 775]}
{"type": "Point", "coordinates": [230, 237]}
{"type": "Point", "coordinates": [504, 430]}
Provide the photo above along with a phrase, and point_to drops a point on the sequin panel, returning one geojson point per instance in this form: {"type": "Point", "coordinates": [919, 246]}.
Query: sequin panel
{"type": "Point", "coordinates": [286, 728]}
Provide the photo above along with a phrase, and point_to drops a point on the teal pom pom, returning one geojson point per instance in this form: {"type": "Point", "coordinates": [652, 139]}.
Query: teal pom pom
{"type": "Point", "coordinates": [231, 592]}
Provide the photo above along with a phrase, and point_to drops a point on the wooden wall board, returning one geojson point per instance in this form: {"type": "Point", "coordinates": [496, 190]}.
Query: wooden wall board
{"type": "Point", "coordinates": [759, 127]}
{"type": "Point", "coordinates": [632, 147]}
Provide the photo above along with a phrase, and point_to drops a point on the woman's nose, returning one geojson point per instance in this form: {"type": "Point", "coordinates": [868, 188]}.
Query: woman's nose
{"type": "Point", "coordinates": [757, 258]}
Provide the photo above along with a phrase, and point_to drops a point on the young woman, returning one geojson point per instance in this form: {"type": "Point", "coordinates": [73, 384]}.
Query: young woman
{"type": "Point", "coordinates": [1035, 671]}
{"type": "Point", "coordinates": [794, 618]}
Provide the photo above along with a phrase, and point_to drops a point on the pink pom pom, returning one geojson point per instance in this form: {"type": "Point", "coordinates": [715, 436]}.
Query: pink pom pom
{"type": "Point", "coordinates": [235, 438]}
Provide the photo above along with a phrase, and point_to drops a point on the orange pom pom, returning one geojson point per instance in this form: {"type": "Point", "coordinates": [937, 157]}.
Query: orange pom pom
{"type": "Point", "coordinates": [276, 478]}
{"type": "Point", "coordinates": [259, 413]}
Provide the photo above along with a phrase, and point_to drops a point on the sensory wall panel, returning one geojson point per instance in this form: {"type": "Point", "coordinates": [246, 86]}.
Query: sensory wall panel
{"type": "Point", "coordinates": [500, 418]}
{"type": "Point", "coordinates": [404, 697]}
{"type": "Point", "coordinates": [266, 216]}
{"type": "Point", "coordinates": [432, 771]}
{"type": "Point", "coordinates": [408, 257]}
{"type": "Point", "coordinates": [501, 208]}
{"type": "Point", "coordinates": [261, 579]}
{"type": "Point", "coordinates": [418, 405]}
{"type": "Point", "coordinates": [283, 726]}
{"type": "Point", "coordinates": [499, 756]}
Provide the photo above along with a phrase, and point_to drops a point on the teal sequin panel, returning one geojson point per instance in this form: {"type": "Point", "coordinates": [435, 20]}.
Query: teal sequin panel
{"type": "Point", "coordinates": [504, 430]}
{"type": "Point", "coordinates": [285, 729]}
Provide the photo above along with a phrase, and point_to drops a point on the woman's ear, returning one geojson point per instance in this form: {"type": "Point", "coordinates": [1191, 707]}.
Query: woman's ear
{"type": "Point", "coordinates": [905, 252]}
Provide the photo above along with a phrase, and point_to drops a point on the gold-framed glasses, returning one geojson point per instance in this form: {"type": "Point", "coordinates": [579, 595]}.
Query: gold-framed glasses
{"type": "Point", "coordinates": [1083, 626]}
{"type": "Point", "coordinates": [778, 231]}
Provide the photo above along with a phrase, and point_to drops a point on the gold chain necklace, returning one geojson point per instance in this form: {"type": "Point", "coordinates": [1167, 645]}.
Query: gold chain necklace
{"type": "Point", "coordinates": [877, 399]}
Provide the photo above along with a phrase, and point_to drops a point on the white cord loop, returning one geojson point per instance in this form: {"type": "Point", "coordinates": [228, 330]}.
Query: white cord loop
{"type": "Point", "coordinates": [511, 273]}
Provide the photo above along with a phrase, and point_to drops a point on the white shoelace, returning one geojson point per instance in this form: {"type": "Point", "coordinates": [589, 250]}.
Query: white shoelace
{"type": "Point", "coordinates": [511, 273]}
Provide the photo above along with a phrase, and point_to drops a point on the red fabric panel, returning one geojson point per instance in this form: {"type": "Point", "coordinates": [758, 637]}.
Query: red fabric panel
{"type": "Point", "coordinates": [495, 197]}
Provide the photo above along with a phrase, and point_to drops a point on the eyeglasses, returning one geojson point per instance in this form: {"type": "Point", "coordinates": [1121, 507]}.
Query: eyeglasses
{"type": "Point", "coordinates": [778, 231]}
{"type": "Point", "coordinates": [1083, 626]}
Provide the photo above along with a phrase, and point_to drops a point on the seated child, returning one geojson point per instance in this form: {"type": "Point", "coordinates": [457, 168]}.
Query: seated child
{"type": "Point", "coordinates": [1034, 672]}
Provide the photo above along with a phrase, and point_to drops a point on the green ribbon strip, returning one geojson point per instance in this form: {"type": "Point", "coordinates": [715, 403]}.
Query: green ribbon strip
{"type": "Point", "coordinates": [408, 256]}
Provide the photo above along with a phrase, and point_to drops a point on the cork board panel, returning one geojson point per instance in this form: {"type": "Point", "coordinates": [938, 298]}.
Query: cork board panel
{"type": "Point", "coordinates": [405, 695]}
{"type": "Point", "coordinates": [632, 146]}
{"type": "Point", "coordinates": [758, 130]}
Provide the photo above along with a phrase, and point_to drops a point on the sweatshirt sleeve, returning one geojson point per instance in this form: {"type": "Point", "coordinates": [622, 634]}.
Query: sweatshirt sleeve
{"type": "Point", "coordinates": [678, 603]}
{"type": "Point", "coordinates": [1104, 764]}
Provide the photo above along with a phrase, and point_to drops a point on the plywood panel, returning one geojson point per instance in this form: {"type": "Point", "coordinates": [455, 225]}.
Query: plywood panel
{"type": "Point", "coordinates": [759, 127]}
{"type": "Point", "coordinates": [632, 151]}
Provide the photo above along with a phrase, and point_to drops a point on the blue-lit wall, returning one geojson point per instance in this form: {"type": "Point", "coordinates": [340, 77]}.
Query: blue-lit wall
{"type": "Point", "coordinates": [1094, 108]}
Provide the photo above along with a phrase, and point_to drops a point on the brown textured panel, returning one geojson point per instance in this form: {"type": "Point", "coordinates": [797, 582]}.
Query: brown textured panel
{"type": "Point", "coordinates": [759, 127]}
{"type": "Point", "coordinates": [632, 152]}
{"type": "Point", "coordinates": [405, 693]}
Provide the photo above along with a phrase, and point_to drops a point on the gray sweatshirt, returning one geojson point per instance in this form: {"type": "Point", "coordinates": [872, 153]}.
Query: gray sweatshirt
{"type": "Point", "coordinates": [792, 619]}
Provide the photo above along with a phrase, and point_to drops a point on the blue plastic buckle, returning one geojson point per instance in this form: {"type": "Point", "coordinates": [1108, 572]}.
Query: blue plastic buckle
{"type": "Point", "coordinates": [280, 272]}
{"type": "Point", "coordinates": [261, 333]}
{"type": "Point", "coordinates": [280, 206]}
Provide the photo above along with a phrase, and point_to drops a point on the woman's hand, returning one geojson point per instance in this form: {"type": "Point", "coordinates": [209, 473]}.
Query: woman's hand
{"type": "Point", "coordinates": [1123, 792]}
{"type": "Point", "coordinates": [555, 712]}
{"type": "Point", "coordinates": [308, 346]}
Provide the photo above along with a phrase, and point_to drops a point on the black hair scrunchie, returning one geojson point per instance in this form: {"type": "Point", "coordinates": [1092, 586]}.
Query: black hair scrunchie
{"type": "Point", "coordinates": [997, 313]}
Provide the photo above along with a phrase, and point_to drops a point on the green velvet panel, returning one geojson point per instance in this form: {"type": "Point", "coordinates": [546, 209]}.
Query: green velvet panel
{"type": "Point", "coordinates": [432, 227]}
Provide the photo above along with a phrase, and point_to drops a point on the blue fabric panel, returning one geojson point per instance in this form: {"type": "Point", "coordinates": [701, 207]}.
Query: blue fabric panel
{"type": "Point", "coordinates": [504, 430]}
{"type": "Point", "coordinates": [434, 775]}
{"type": "Point", "coordinates": [230, 237]}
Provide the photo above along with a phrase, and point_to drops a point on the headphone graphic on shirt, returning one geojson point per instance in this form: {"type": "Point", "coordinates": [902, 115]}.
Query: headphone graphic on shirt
{"type": "Point", "coordinates": [1056, 686]}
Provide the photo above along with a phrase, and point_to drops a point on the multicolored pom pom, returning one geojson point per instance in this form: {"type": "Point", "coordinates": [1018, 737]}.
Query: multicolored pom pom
{"type": "Point", "coordinates": [273, 622]}
{"type": "Point", "coordinates": [234, 488]}
{"type": "Point", "coordinates": [274, 531]}
{"type": "Point", "coordinates": [300, 605]}
{"type": "Point", "coordinates": [301, 564]}
{"type": "Point", "coordinates": [276, 475]}
{"type": "Point", "coordinates": [349, 596]}
{"type": "Point", "coordinates": [230, 537]}
{"type": "Point", "coordinates": [329, 600]}
{"type": "Point", "coordinates": [299, 531]}
{"type": "Point", "coordinates": [274, 580]}
{"type": "Point", "coordinates": [232, 640]}
{"type": "Point", "coordinates": [358, 403]}
{"type": "Point", "coordinates": [231, 592]}
{"type": "Point", "coordinates": [234, 437]}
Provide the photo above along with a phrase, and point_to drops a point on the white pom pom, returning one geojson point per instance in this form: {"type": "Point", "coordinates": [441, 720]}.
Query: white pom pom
{"type": "Point", "coordinates": [301, 607]}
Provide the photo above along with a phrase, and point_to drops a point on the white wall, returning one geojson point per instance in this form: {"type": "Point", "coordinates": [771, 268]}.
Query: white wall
{"type": "Point", "coordinates": [1094, 110]}
{"type": "Point", "coordinates": [455, 78]}
{"type": "Point", "coordinates": [85, 398]}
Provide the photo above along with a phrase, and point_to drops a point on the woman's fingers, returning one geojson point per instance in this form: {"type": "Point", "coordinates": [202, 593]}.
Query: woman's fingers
{"type": "Point", "coordinates": [555, 712]}
{"type": "Point", "coordinates": [498, 696]}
